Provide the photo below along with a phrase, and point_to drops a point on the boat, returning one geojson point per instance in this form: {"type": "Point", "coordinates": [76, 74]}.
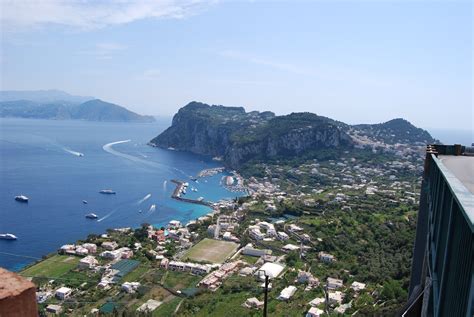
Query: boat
{"type": "Point", "coordinates": [85, 202]}
{"type": "Point", "coordinates": [21, 198]}
{"type": "Point", "coordinates": [107, 191]}
{"type": "Point", "coordinates": [91, 216]}
{"type": "Point", "coordinates": [8, 236]}
{"type": "Point", "coordinates": [200, 199]}
{"type": "Point", "coordinates": [194, 189]}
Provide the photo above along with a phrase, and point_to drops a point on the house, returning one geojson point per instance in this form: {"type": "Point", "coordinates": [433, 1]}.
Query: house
{"type": "Point", "coordinates": [104, 284]}
{"type": "Point", "coordinates": [175, 224]}
{"type": "Point", "coordinates": [317, 301]}
{"type": "Point", "coordinates": [342, 309]}
{"type": "Point", "coordinates": [283, 236]}
{"type": "Point", "coordinates": [334, 283]}
{"type": "Point", "coordinates": [335, 297]}
{"type": "Point", "coordinates": [251, 251]}
{"type": "Point", "coordinates": [91, 247]}
{"type": "Point", "coordinates": [256, 234]}
{"type": "Point", "coordinates": [130, 287]}
{"type": "Point", "coordinates": [287, 292]}
{"type": "Point", "coordinates": [88, 262]}
{"type": "Point", "coordinates": [54, 309]}
{"type": "Point", "coordinates": [270, 269]}
{"type": "Point", "coordinates": [149, 306]}
{"type": "Point", "coordinates": [314, 312]}
{"type": "Point", "coordinates": [307, 277]}
{"type": "Point", "coordinates": [326, 257]}
{"type": "Point", "coordinates": [356, 286]}
{"type": "Point", "coordinates": [253, 303]}
{"type": "Point", "coordinates": [81, 251]}
{"type": "Point", "coordinates": [63, 293]}
{"type": "Point", "coordinates": [164, 263]}
{"type": "Point", "coordinates": [294, 228]}
{"type": "Point", "coordinates": [291, 247]}
{"type": "Point", "coordinates": [111, 255]}
{"type": "Point", "coordinates": [68, 248]}
{"type": "Point", "coordinates": [110, 245]}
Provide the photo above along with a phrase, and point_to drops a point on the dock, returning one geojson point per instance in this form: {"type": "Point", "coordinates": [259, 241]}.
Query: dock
{"type": "Point", "coordinates": [180, 186]}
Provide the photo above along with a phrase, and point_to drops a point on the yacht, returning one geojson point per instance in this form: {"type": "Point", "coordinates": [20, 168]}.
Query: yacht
{"type": "Point", "coordinates": [21, 198]}
{"type": "Point", "coordinates": [91, 216]}
{"type": "Point", "coordinates": [107, 191]}
{"type": "Point", "coordinates": [8, 236]}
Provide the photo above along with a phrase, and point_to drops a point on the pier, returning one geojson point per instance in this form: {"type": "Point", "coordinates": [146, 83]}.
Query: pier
{"type": "Point", "coordinates": [180, 186]}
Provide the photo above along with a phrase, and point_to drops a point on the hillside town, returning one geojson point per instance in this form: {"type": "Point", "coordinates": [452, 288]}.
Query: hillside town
{"type": "Point", "coordinates": [288, 233]}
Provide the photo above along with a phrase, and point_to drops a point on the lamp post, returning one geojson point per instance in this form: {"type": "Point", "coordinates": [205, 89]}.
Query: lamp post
{"type": "Point", "coordinates": [266, 292]}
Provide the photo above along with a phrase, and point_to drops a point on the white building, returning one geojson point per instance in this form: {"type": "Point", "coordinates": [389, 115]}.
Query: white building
{"type": "Point", "coordinates": [63, 292]}
{"type": "Point", "coordinates": [314, 312]}
{"type": "Point", "coordinates": [335, 297]}
{"type": "Point", "coordinates": [326, 257]}
{"type": "Point", "coordinates": [283, 236]}
{"type": "Point", "coordinates": [356, 286]}
{"type": "Point", "coordinates": [287, 293]}
{"type": "Point", "coordinates": [81, 251]}
{"type": "Point", "coordinates": [110, 245]}
{"type": "Point", "coordinates": [88, 262]}
{"type": "Point", "coordinates": [334, 283]}
{"type": "Point", "coordinates": [91, 247]}
{"type": "Point", "coordinates": [317, 301]}
{"type": "Point", "coordinates": [130, 287]}
{"type": "Point", "coordinates": [250, 250]}
{"type": "Point", "coordinates": [253, 303]}
{"type": "Point", "coordinates": [54, 309]}
{"type": "Point", "coordinates": [270, 269]}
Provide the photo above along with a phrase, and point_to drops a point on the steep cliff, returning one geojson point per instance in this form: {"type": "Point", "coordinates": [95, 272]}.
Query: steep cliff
{"type": "Point", "coordinates": [240, 136]}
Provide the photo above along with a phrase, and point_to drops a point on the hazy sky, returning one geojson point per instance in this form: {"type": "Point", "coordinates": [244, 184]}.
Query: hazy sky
{"type": "Point", "coordinates": [358, 62]}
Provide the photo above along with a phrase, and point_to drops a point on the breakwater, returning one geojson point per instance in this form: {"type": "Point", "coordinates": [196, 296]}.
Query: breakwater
{"type": "Point", "coordinates": [180, 188]}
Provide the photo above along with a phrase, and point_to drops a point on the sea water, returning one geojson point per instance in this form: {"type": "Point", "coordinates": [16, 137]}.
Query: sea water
{"type": "Point", "coordinates": [58, 164]}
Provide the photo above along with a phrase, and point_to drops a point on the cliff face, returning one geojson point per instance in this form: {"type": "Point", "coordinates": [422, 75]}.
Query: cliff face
{"type": "Point", "coordinates": [239, 136]}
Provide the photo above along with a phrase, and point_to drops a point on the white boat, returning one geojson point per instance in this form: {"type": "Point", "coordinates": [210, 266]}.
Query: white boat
{"type": "Point", "coordinates": [84, 202]}
{"type": "Point", "coordinates": [194, 189]}
{"type": "Point", "coordinates": [8, 236]}
{"type": "Point", "coordinates": [107, 191]}
{"type": "Point", "coordinates": [91, 216]}
{"type": "Point", "coordinates": [22, 198]}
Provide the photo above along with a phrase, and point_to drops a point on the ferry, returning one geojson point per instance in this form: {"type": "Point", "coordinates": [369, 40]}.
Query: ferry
{"type": "Point", "coordinates": [8, 236]}
{"type": "Point", "coordinates": [22, 198]}
{"type": "Point", "coordinates": [91, 216]}
{"type": "Point", "coordinates": [107, 191]}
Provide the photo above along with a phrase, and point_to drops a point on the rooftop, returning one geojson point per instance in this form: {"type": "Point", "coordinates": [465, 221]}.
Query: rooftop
{"type": "Point", "coordinates": [12, 284]}
{"type": "Point", "coordinates": [462, 167]}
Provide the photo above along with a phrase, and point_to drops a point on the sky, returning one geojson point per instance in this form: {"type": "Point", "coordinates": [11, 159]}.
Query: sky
{"type": "Point", "coordinates": [354, 61]}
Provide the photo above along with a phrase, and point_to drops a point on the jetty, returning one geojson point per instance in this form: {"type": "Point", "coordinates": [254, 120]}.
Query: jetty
{"type": "Point", "coordinates": [180, 187]}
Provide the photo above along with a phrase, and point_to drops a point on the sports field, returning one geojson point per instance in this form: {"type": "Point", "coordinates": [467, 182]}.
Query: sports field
{"type": "Point", "coordinates": [209, 250]}
{"type": "Point", "coordinates": [53, 267]}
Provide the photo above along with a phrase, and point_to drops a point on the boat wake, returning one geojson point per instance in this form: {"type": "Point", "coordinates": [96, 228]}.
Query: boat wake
{"type": "Point", "coordinates": [152, 208]}
{"type": "Point", "coordinates": [144, 198]}
{"type": "Point", "coordinates": [109, 148]}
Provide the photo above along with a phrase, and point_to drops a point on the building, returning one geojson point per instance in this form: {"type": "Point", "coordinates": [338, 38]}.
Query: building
{"type": "Point", "coordinates": [314, 312]}
{"type": "Point", "coordinates": [110, 245]}
{"type": "Point", "coordinates": [88, 262]}
{"type": "Point", "coordinates": [251, 251]}
{"type": "Point", "coordinates": [357, 286]}
{"type": "Point", "coordinates": [54, 309]}
{"type": "Point", "coordinates": [253, 303]}
{"type": "Point", "coordinates": [270, 269]}
{"type": "Point", "coordinates": [91, 247]}
{"type": "Point", "coordinates": [17, 295]}
{"type": "Point", "coordinates": [287, 292]}
{"type": "Point", "coordinates": [334, 283]}
{"type": "Point", "coordinates": [442, 279]}
{"type": "Point", "coordinates": [63, 293]}
{"type": "Point", "coordinates": [335, 297]}
{"type": "Point", "coordinates": [130, 287]}
{"type": "Point", "coordinates": [326, 257]}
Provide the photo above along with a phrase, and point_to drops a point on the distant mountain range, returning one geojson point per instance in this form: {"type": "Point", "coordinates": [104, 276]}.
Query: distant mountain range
{"type": "Point", "coordinates": [59, 105]}
{"type": "Point", "coordinates": [239, 136]}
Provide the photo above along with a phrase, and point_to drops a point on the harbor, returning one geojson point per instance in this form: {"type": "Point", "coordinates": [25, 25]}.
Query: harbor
{"type": "Point", "coordinates": [181, 189]}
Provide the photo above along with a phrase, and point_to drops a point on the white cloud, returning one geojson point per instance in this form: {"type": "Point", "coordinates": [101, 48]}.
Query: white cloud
{"type": "Point", "coordinates": [263, 61]}
{"type": "Point", "coordinates": [104, 50]}
{"type": "Point", "coordinates": [149, 74]}
{"type": "Point", "coordinates": [91, 14]}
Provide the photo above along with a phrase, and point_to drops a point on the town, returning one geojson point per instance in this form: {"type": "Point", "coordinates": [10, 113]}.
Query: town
{"type": "Point", "coordinates": [333, 237]}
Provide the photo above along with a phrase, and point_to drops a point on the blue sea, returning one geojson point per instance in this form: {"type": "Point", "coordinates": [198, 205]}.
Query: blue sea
{"type": "Point", "coordinates": [41, 159]}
